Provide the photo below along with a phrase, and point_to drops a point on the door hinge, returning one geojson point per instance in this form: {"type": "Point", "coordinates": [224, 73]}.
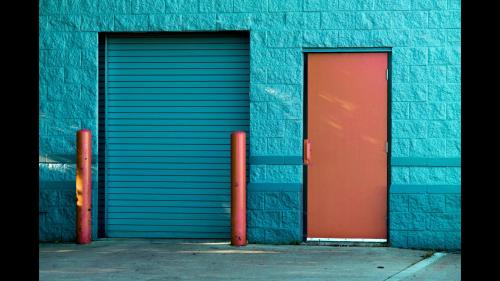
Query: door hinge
{"type": "Point", "coordinates": [386, 147]}
{"type": "Point", "coordinates": [387, 74]}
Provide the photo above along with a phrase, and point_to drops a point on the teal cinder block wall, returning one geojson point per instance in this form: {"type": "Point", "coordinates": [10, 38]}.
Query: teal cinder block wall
{"type": "Point", "coordinates": [425, 37]}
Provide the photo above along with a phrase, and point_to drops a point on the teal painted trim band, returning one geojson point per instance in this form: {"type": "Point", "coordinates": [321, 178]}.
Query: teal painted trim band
{"type": "Point", "coordinates": [424, 188]}
{"type": "Point", "coordinates": [275, 160]}
{"type": "Point", "coordinates": [262, 187]}
{"type": "Point", "coordinates": [63, 159]}
{"type": "Point", "coordinates": [426, 162]}
{"type": "Point", "coordinates": [348, 50]}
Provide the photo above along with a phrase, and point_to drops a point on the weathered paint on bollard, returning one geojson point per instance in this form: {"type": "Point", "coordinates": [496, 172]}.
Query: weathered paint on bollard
{"type": "Point", "coordinates": [83, 187]}
{"type": "Point", "coordinates": [238, 189]}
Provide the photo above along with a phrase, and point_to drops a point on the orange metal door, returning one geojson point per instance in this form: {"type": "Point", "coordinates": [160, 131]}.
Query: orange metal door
{"type": "Point", "coordinates": [347, 132]}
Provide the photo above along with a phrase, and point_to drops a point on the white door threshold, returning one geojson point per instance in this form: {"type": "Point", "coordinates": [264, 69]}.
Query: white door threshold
{"type": "Point", "coordinates": [365, 240]}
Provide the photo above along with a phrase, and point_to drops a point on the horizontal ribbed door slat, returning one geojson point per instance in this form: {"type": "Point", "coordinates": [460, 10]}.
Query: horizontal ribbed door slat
{"type": "Point", "coordinates": [172, 102]}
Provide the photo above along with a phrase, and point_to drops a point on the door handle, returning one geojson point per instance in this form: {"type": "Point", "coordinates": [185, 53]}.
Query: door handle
{"type": "Point", "coordinates": [307, 152]}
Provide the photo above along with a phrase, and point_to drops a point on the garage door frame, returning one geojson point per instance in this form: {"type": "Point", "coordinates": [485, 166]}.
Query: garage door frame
{"type": "Point", "coordinates": [100, 197]}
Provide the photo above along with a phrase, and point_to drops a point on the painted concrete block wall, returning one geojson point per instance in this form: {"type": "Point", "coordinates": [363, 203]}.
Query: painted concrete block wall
{"type": "Point", "coordinates": [425, 38]}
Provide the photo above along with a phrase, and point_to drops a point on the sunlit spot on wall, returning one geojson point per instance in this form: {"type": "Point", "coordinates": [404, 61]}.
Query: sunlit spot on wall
{"type": "Point", "coordinates": [277, 94]}
{"type": "Point", "coordinates": [271, 91]}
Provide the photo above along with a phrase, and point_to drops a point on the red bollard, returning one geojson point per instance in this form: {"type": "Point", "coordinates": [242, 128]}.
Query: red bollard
{"type": "Point", "coordinates": [83, 186]}
{"type": "Point", "coordinates": [238, 189]}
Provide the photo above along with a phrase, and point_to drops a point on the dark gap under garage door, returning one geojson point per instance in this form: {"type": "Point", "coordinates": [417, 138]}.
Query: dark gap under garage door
{"type": "Point", "coordinates": [171, 103]}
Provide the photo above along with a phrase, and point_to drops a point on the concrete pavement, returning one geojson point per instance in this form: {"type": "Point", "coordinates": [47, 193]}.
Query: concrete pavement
{"type": "Point", "coordinates": [157, 259]}
{"type": "Point", "coordinates": [443, 269]}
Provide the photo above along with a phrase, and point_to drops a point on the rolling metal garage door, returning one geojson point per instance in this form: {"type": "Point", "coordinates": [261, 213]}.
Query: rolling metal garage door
{"type": "Point", "coordinates": [172, 102]}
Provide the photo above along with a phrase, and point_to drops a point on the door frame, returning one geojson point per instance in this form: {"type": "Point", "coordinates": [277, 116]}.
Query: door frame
{"type": "Point", "coordinates": [306, 52]}
{"type": "Point", "coordinates": [100, 195]}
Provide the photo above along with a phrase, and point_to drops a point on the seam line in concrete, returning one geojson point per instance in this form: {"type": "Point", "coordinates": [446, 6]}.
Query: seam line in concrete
{"type": "Point", "coordinates": [407, 272]}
